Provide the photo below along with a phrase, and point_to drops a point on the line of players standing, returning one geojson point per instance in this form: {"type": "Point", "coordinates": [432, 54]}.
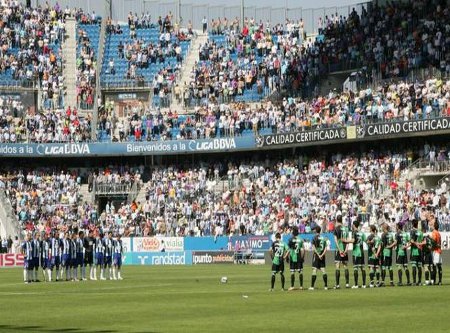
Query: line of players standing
{"type": "Point", "coordinates": [425, 252]}
{"type": "Point", "coordinates": [71, 255]}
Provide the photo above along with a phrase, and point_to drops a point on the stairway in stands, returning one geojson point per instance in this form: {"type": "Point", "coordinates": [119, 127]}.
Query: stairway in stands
{"type": "Point", "coordinates": [70, 58]}
{"type": "Point", "coordinates": [190, 61]}
{"type": "Point", "coordinates": [86, 196]}
{"type": "Point", "coordinates": [9, 224]}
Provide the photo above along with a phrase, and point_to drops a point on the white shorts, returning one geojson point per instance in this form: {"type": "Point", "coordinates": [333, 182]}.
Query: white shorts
{"type": "Point", "coordinates": [437, 258]}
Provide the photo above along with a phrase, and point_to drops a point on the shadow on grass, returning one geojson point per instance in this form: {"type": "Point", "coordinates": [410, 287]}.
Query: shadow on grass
{"type": "Point", "coordinates": [19, 328]}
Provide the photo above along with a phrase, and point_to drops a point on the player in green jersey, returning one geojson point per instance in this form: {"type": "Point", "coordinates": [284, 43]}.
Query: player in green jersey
{"type": "Point", "coordinates": [296, 257]}
{"type": "Point", "coordinates": [319, 248]}
{"type": "Point", "coordinates": [402, 240]}
{"type": "Point", "coordinates": [278, 252]}
{"type": "Point", "coordinates": [341, 235]}
{"type": "Point", "coordinates": [427, 259]}
{"type": "Point", "coordinates": [417, 242]}
{"type": "Point", "coordinates": [388, 243]}
{"type": "Point", "coordinates": [374, 249]}
{"type": "Point", "coordinates": [358, 254]}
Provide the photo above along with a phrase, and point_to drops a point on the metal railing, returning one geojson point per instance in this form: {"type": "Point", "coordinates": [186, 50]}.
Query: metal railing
{"type": "Point", "coordinates": [194, 10]}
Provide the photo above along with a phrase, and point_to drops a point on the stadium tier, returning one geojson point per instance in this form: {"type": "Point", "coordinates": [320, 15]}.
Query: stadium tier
{"type": "Point", "coordinates": [151, 86]}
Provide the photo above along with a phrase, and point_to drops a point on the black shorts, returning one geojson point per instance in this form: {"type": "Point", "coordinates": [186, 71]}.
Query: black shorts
{"type": "Point", "coordinates": [358, 261]}
{"type": "Point", "coordinates": [318, 263]}
{"type": "Point", "coordinates": [402, 260]}
{"type": "Point", "coordinates": [296, 266]}
{"type": "Point", "coordinates": [427, 259]}
{"type": "Point", "coordinates": [386, 261]}
{"type": "Point", "coordinates": [338, 258]}
{"type": "Point", "coordinates": [375, 262]}
{"type": "Point", "coordinates": [278, 268]}
{"type": "Point", "coordinates": [416, 260]}
{"type": "Point", "coordinates": [88, 258]}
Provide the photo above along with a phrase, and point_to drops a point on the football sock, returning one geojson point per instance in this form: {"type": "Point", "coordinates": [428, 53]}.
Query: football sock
{"type": "Point", "coordinates": [414, 274]}
{"type": "Point", "coordinates": [383, 275]}
{"type": "Point", "coordinates": [400, 275]}
{"type": "Point", "coordinates": [391, 274]}
{"type": "Point", "coordinates": [313, 280]}
{"type": "Point", "coordinates": [364, 277]}
{"type": "Point", "coordinates": [408, 280]}
{"type": "Point", "coordinates": [273, 281]}
{"type": "Point", "coordinates": [338, 276]}
{"type": "Point", "coordinates": [25, 275]}
{"type": "Point", "coordinates": [300, 277]}
{"type": "Point", "coordinates": [378, 276]}
{"type": "Point", "coordinates": [292, 280]}
{"type": "Point", "coordinates": [355, 275]}
{"type": "Point", "coordinates": [427, 275]}
{"type": "Point", "coordinates": [282, 280]}
{"type": "Point", "coordinates": [439, 268]}
{"type": "Point", "coordinates": [433, 273]}
{"type": "Point", "coordinates": [419, 273]}
{"type": "Point", "coordinates": [325, 280]}
{"type": "Point", "coordinates": [371, 275]}
{"type": "Point", "coordinates": [49, 273]}
{"type": "Point", "coordinates": [347, 276]}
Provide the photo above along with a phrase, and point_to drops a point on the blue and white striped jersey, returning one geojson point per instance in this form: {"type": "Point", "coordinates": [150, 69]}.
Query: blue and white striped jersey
{"type": "Point", "coordinates": [55, 247]}
{"type": "Point", "coordinates": [73, 249]}
{"type": "Point", "coordinates": [108, 247]}
{"type": "Point", "coordinates": [27, 249]}
{"type": "Point", "coordinates": [80, 245]}
{"type": "Point", "coordinates": [45, 249]}
{"type": "Point", "coordinates": [118, 248]}
{"type": "Point", "coordinates": [66, 246]}
{"type": "Point", "coordinates": [36, 248]}
{"type": "Point", "coordinates": [98, 246]}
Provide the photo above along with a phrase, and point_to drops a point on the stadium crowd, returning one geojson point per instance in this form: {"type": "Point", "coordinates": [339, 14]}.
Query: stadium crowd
{"type": "Point", "coordinates": [30, 50]}
{"type": "Point", "coordinates": [386, 40]}
{"type": "Point", "coordinates": [86, 61]}
{"type": "Point", "coordinates": [236, 198]}
{"type": "Point", "coordinates": [400, 101]}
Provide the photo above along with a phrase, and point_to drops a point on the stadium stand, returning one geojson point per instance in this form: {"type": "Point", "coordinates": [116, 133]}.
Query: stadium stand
{"type": "Point", "coordinates": [30, 50]}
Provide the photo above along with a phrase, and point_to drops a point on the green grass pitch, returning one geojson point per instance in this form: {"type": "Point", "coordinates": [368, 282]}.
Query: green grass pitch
{"type": "Point", "coordinates": [192, 299]}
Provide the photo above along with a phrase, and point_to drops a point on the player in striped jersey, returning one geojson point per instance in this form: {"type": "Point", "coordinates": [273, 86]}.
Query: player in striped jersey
{"type": "Point", "coordinates": [417, 241]}
{"type": "Point", "coordinates": [36, 253]}
{"type": "Point", "coordinates": [117, 259]}
{"type": "Point", "coordinates": [73, 257]}
{"type": "Point", "coordinates": [55, 255]}
{"type": "Point", "coordinates": [79, 245]}
{"type": "Point", "coordinates": [66, 255]}
{"type": "Point", "coordinates": [278, 253]}
{"type": "Point", "coordinates": [341, 235]}
{"type": "Point", "coordinates": [388, 243]}
{"type": "Point", "coordinates": [99, 250]}
{"type": "Point", "coordinates": [374, 253]}
{"type": "Point", "coordinates": [358, 240]}
{"type": "Point", "coordinates": [296, 257]}
{"type": "Point", "coordinates": [319, 247]}
{"type": "Point", "coordinates": [108, 243]}
{"type": "Point", "coordinates": [27, 251]}
{"type": "Point", "coordinates": [45, 258]}
{"type": "Point", "coordinates": [402, 239]}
